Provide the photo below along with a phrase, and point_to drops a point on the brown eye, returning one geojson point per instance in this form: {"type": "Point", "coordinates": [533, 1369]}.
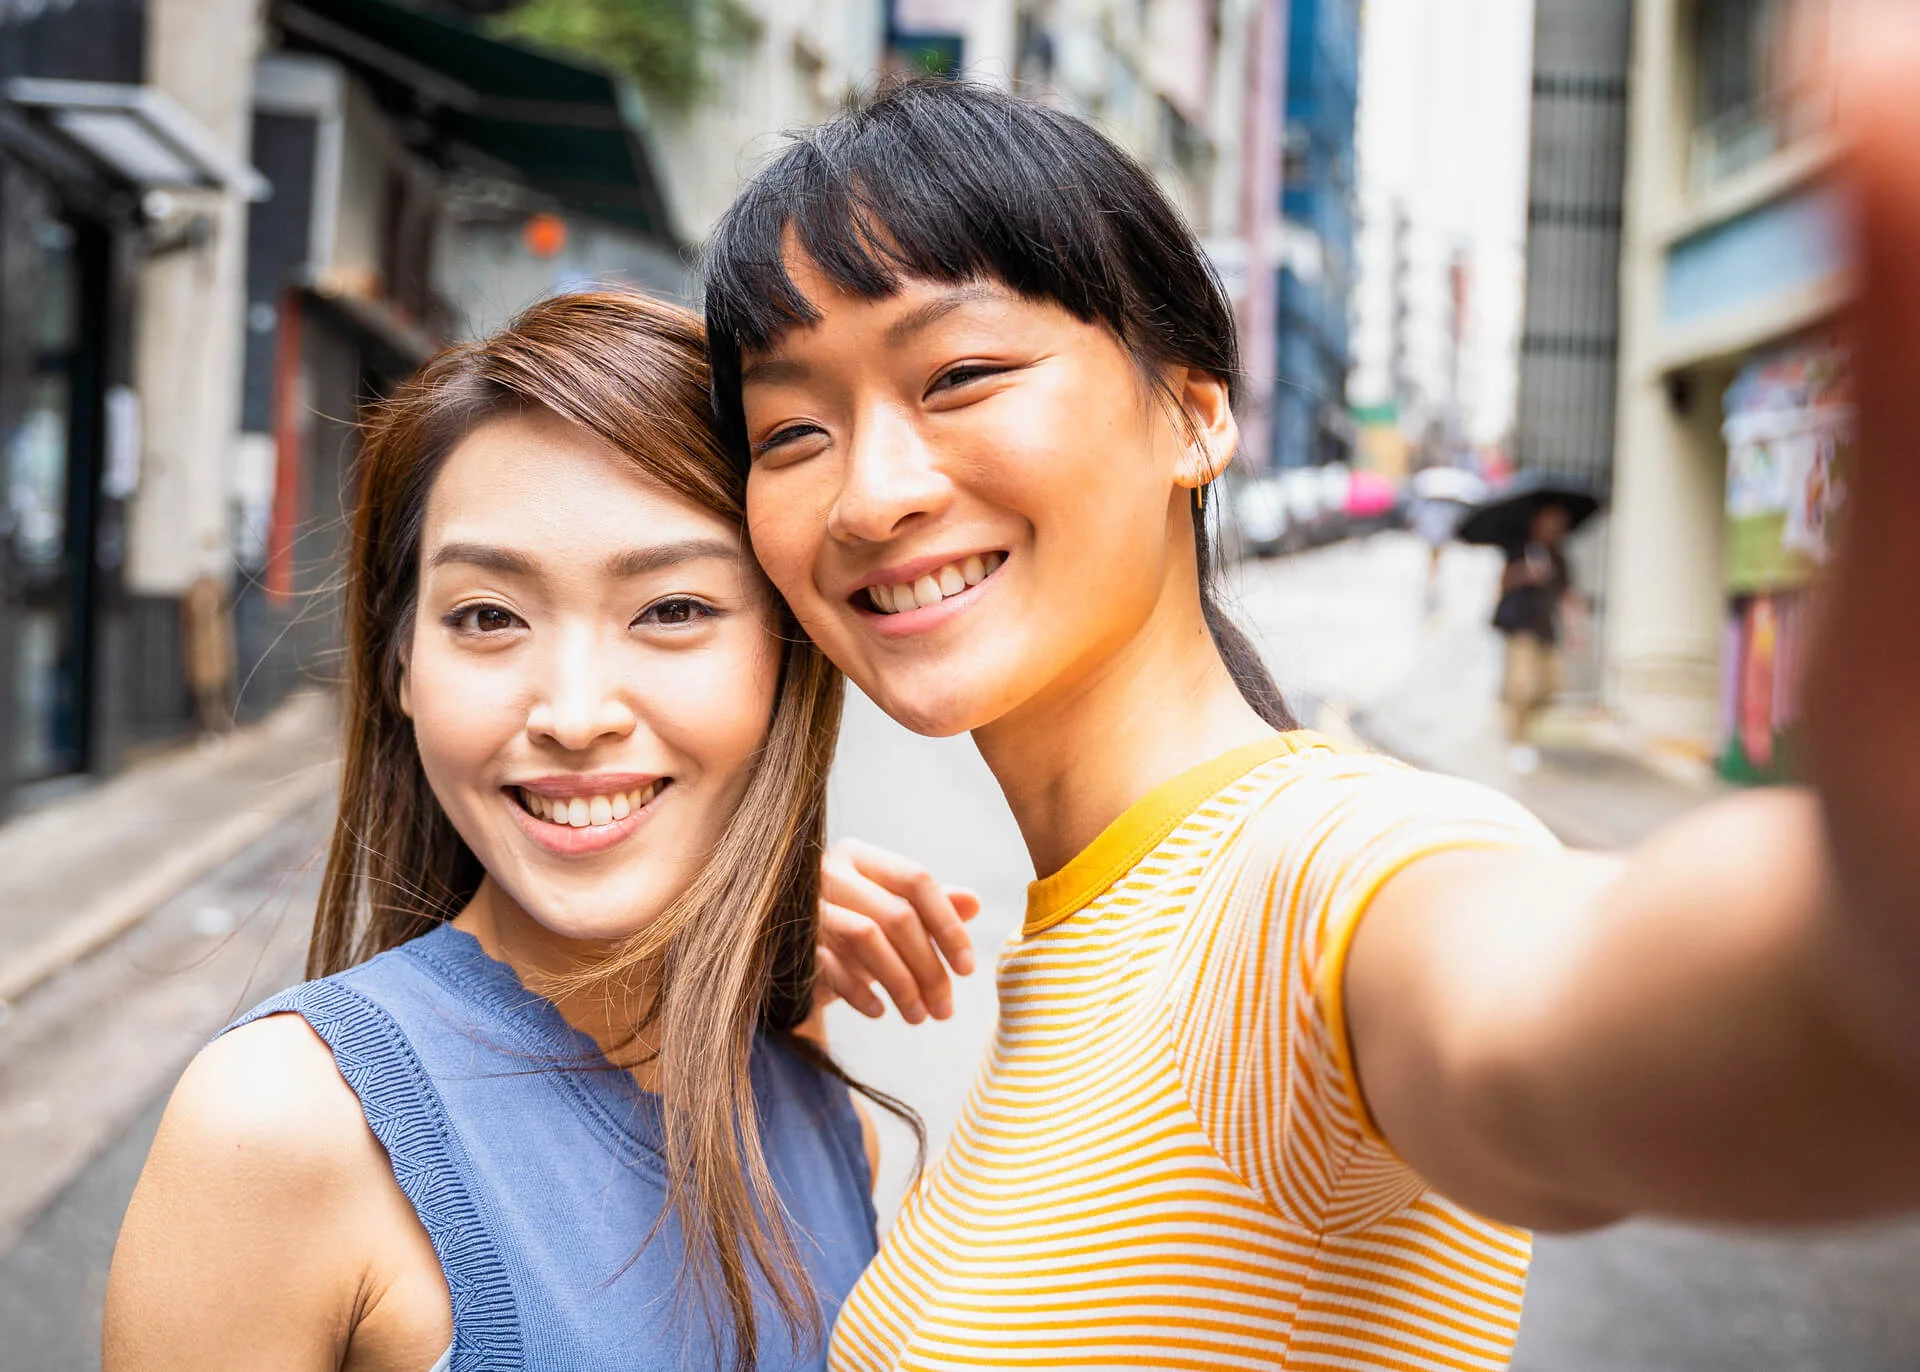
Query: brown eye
{"type": "Point", "coordinates": [956, 377]}
{"type": "Point", "coordinates": [793, 433]}
{"type": "Point", "coordinates": [676, 613]}
{"type": "Point", "coordinates": [483, 619]}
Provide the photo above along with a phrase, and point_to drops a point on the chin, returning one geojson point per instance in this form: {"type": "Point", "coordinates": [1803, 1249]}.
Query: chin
{"type": "Point", "coordinates": [598, 916]}
{"type": "Point", "coordinates": [935, 711]}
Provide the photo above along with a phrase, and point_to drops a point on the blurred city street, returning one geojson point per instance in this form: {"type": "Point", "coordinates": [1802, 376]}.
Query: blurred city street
{"type": "Point", "coordinates": [1468, 245]}
{"type": "Point", "coordinates": [87, 1057]}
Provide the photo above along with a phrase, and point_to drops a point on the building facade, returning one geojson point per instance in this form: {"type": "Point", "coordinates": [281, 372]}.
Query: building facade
{"type": "Point", "coordinates": [1314, 350]}
{"type": "Point", "coordinates": [1733, 415]}
{"type": "Point", "coordinates": [1576, 183]}
{"type": "Point", "coordinates": [225, 226]}
{"type": "Point", "coordinates": [123, 195]}
{"type": "Point", "coordinates": [1569, 355]}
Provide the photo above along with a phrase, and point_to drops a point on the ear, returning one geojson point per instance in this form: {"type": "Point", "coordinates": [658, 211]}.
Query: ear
{"type": "Point", "coordinates": [1211, 434]}
{"type": "Point", "coordinates": [404, 688]}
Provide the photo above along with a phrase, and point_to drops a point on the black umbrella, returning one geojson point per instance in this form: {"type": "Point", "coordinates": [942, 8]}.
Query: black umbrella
{"type": "Point", "coordinates": [1506, 521]}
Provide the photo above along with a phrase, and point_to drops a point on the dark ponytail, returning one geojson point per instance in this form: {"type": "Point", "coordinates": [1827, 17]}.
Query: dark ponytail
{"type": "Point", "coordinates": [1243, 661]}
{"type": "Point", "coordinates": [949, 181]}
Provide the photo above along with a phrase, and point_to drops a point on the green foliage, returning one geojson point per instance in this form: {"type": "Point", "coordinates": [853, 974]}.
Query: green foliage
{"type": "Point", "coordinates": [660, 44]}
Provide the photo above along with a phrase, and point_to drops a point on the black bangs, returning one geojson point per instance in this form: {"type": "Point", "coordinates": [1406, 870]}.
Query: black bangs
{"type": "Point", "coordinates": [947, 181]}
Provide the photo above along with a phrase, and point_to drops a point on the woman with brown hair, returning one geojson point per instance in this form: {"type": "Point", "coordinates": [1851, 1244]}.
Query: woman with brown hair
{"type": "Point", "coordinates": [550, 1101]}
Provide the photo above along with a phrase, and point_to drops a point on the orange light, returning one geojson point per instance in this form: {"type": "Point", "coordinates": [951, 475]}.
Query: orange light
{"type": "Point", "coordinates": [544, 235]}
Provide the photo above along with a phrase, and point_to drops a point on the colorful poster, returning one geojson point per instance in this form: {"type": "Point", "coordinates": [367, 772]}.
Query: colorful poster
{"type": "Point", "coordinates": [1789, 427]}
{"type": "Point", "coordinates": [1766, 647]}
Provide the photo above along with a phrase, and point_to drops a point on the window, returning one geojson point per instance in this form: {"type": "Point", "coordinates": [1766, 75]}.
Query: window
{"type": "Point", "coordinates": [1743, 113]}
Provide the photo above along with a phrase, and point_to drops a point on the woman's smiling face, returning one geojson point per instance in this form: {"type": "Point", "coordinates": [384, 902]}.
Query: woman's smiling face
{"type": "Point", "coordinates": [971, 500]}
{"type": "Point", "coordinates": [590, 673]}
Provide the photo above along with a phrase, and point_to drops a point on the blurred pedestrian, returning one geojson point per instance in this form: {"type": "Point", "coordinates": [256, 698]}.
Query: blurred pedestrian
{"type": "Point", "coordinates": [1442, 498]}
{"type": "Point", "coordinates": [1434, 521]}
{"type": "Point", "coordinates": [557, 1099]}
{"type": "Point", "coordinates": [1534, 587]}
{"type": "Point", "coordinates": [206, 628]}
{"type": "Point", "coordinates": [1293, 1038]}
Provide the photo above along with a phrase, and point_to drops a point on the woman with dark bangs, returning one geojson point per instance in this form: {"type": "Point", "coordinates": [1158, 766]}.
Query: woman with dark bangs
{"type": "Point", "coordinates": [552, 1100]}
{"type": "Point", "coordinates": [1296, 1042]}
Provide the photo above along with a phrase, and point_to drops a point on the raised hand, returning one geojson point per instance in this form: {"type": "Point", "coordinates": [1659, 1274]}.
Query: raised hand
{"type": "Point", "coordinates": [883, 918]}
{"type": "Point", "coordinates": [1863, 689]}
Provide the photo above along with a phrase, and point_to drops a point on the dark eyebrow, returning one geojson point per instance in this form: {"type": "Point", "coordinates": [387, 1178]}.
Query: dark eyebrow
{"type": "Point", "coordinates": [631, 563]}
{"type": "Point", "coordinates": [938, 308]}
{"type": "Point", "coordinates": [773, 371]}
{"type": "Point", "coordinates": [486, 556]}
{"type": "Point", "coordinates": [640, 561]}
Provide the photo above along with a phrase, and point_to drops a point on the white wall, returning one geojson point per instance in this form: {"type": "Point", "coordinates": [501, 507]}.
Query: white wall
{"type": "Point", "coordinates": [188, 340]}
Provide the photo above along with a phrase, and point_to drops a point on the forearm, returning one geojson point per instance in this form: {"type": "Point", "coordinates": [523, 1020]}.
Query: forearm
{"type": "Point", "coordinates": [1667, 1034]}
{"type": "Point", "coordinates": [1699, 1061]}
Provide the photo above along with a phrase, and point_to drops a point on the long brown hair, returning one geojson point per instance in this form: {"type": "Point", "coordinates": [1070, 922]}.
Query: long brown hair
{"type": "Point", "coordinates": [735, 952]}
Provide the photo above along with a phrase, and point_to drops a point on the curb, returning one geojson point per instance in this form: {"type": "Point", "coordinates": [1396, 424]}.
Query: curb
{"type": "Point", "coordinates": [111, 916]}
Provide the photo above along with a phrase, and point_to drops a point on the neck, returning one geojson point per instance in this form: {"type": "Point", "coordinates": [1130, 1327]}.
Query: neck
{"type": "Point", "coordinates": [546, 963]}
{"type": "Point", "coordinates": [1072, 762]}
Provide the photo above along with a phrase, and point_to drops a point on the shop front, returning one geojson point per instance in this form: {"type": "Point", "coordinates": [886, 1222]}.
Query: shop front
{"type": "Point", "coordinates": [1789, 428]}
{"type": "Point", "coordinates": [54, 277]}
{"type": "Point", "coordinates": [103, 178]}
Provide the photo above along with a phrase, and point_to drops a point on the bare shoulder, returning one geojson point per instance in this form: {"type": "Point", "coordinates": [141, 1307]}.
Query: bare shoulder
{"type": "Point", "coordinates": [259, 1219]}
{"type": "Point", "coordinates": [268, 1098]}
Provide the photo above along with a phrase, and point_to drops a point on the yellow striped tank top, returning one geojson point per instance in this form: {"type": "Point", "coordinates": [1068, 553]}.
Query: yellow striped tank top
{"type": "Point", "coordinates": [1165, 1160]}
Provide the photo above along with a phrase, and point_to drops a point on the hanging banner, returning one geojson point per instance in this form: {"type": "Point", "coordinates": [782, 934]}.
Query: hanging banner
{"type": "Point", "coordinates": [1789, 431]}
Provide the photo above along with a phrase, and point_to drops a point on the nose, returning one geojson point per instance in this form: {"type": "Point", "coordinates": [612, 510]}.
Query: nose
{"type": "Point", "coordinates": [891, 480]}
{"type": "Point", "coordinates": [583, 700]}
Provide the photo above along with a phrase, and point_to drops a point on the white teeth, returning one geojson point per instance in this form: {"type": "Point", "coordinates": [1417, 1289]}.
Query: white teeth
{"type": "Point", "coordinates": [580, 812]}
{"type": "Point", "coordinates": [935, 587]}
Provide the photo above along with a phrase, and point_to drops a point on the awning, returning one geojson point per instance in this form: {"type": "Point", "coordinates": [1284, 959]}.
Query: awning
{"type": "Point", "coordinates": [566, 130]}
{"type": "Point", "coordinates": [136, 135]}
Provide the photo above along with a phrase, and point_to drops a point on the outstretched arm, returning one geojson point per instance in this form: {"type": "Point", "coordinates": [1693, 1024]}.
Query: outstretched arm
{"type": "Point", "coordinates": [1559, 1041]}
{"type": "Point", "coordinates": [1726, 1023]}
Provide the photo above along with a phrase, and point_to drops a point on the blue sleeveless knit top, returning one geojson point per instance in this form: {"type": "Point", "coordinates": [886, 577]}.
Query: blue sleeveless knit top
{"type": "Point", "coordinates": [539, 1177]}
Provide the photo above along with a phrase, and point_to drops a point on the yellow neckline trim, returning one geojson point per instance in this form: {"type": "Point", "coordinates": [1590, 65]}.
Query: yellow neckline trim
{"type": "Point", "coordinates": [1145, 825]}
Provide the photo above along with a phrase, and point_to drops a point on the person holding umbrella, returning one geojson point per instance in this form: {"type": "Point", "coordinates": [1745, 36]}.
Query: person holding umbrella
{"type": "Point", "coordinates": [1530, 523]}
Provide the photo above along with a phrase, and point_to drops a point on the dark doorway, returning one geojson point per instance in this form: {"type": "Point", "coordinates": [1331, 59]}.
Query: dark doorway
{"type": "Point", "coordinates": [53, 268]}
